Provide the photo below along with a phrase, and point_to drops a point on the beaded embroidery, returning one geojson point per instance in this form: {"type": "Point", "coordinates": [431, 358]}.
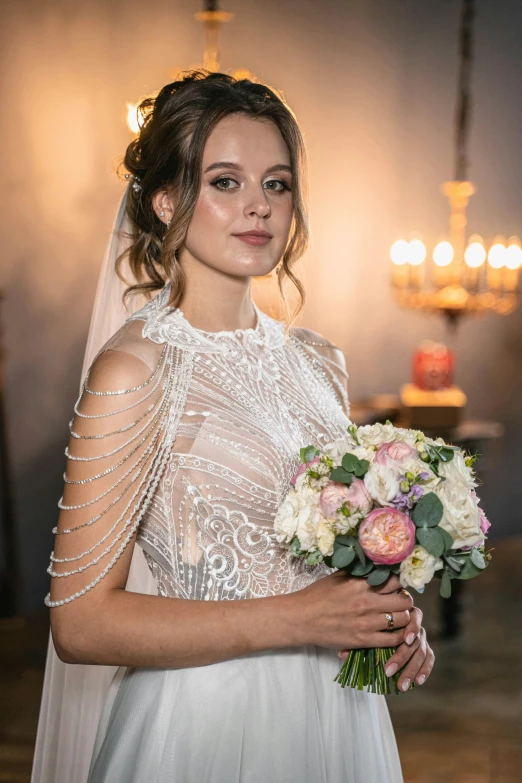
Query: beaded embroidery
{"type": "Point", "coordinates": [205, 458]}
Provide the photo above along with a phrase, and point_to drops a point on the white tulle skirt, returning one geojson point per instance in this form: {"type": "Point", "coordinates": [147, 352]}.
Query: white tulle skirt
{"type": "Point", "coordinates": [270, 717]}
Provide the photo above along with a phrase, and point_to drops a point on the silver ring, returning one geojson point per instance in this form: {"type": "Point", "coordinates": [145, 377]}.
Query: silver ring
{"type": "Point", "coordinates": [389, 618]}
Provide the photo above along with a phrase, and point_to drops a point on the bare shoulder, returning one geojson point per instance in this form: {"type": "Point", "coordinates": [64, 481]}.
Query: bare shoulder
{"type": "Point", "coordinates": [126, 360]}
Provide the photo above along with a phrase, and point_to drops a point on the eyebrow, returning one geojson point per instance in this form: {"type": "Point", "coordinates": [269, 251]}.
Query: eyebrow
{"type": "Point", "coordinates": [226, 164]}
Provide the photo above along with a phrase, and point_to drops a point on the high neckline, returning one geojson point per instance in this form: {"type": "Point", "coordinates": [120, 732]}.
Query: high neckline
{"type": "Point", "coordinates": [164, 323]}
{"type": "Point", "coordinates": [250, 330]}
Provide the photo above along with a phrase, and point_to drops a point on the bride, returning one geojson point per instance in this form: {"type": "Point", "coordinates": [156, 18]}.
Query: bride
{"type": "Point", "coordinates": [183, 443]}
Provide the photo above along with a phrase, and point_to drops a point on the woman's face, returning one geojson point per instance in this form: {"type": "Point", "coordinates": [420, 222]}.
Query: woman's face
{"type": "Point", "coordinates": [246, 185]}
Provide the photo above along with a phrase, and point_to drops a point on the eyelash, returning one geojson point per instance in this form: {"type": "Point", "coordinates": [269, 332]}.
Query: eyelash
{"type": "Point", "coordinates": [227, 179]}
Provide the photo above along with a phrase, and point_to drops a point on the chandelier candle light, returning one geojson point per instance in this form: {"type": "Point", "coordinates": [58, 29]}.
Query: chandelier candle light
{"type": "Point", "coordinates": [464, 276]}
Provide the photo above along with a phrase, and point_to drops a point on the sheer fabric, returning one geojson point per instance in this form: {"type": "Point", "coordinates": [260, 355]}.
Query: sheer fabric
{"type": "Point", "coordinates": [73, 696]}
{"type": "Point", "coordinates": [191, 463]}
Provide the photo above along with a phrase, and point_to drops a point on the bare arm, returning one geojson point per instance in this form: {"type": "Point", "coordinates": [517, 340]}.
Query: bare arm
{"type": "Point", "coordinates": [108, 625]}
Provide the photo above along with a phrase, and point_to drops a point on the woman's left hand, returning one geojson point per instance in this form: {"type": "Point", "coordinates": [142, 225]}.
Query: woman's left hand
{"type": "Point", "coordinates": [414, 654]}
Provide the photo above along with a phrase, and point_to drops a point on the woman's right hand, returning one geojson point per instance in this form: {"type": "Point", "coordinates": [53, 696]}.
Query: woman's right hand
{"type": "Point", "coordinates": [345, 612]}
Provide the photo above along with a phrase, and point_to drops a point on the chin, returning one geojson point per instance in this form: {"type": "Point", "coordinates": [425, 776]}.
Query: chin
{"type": "Point", "coordinates": [252, 267]}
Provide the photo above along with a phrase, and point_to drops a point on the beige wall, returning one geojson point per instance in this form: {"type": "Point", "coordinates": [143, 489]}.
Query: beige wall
{"type": "Point", "coordinates": [372, 84]}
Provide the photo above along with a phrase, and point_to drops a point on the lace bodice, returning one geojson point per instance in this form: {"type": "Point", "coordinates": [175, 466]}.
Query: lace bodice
{"type": "Point", "coordinates": [209, 443]}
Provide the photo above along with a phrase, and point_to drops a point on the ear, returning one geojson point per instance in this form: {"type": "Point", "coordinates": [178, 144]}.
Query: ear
{"type": "Point", "coordinates": [163, 202]}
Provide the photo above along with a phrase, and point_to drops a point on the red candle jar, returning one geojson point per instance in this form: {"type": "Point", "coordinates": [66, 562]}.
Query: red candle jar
{"type": "Point", "coordinates": [433, 366]}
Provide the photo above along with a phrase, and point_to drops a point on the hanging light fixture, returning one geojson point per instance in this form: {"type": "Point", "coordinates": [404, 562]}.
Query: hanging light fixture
{"type": "Point", "coordinates": [462, 276]}
{"type": "Point", "coordinates": [212, 18]}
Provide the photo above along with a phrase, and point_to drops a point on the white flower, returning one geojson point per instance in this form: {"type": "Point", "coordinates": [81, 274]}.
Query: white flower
{"type": "Point", "coordinates": [337, 448]}
{"type": "Point", "coordinates": [343, 523]}
{"type": "Point", "coordinates": [307, 524]}
{"type": "Point", "coordinates": [461, 517]}
{"type": "Point", "coordinates": [375, 434]}
{"type": "Point", "coordinates": [382, 484]}
{"type": "Point", "coordinates": [285, 521]}
{"type": "Point", "coordinates": [457, 471]}
{"type": "Point", "coordinates": [418, 569]}
{"type": "Point", "coordinates": [409, 436]}
{"type": "Point", "coordinates": [325, 537]}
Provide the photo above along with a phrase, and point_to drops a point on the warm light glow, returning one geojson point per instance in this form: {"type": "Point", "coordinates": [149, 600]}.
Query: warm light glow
{"type": "Point", "coordinates": [132, 118]}
{"type": "Point", "coordinates": [443, 254]}
{"type": "Point", "coordinates": [475, 253]}
{"type": "Point", "coordinates": [416, 252]}
{"type": "Point", "coordinates": [497, 255]}
{"type": "Point", "coordinates": [399, 252]}
{"type": "Point", "coordinates": [514, 254]}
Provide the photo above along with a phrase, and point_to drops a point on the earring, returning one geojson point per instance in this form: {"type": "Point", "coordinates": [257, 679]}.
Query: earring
{"type": "Point", "coordinates": [162, 214]}
{"type": "Point", "coordinates": [168, 223]}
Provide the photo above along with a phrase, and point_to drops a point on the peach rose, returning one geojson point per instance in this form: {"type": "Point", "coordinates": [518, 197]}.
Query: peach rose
{"type": "Point", "coordinates": [390, 454]}
{"type": "Point", "coordinates": [334, 495]}
{"type": "Point", "coordinates": [387, 536]}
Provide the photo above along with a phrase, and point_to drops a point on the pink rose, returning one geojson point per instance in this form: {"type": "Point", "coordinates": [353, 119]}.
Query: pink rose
{"type": "Point", "coordinates": [394, 452]}
{"type": "Point", "coordinates": [334, 495]}
{"type": "Point", "coordinates": [485, 524]}
{"type": "Point", "coordinates": [302, 468]}
{"type": "Point", "coordinates": [387, 536]}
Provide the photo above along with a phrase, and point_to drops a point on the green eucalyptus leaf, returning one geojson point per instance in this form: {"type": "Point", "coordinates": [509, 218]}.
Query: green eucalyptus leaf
{"type": "Point", "coordinates": [360, 552]}
{"type": "Point", "coordinates": [431, 539]}
{"type": "Point", "coordinates": [345, 540]}
{"type": "Point", "coordinates": [378, 576]}
{"type": "Point", "coordinates": [428, 511]}
{"type": "Point", "coordinates": [468, 569]}
{"type": "Point", "coordinates": [448, 539]}
{"type": "Point", "coordinates": [453, 562]}
{"type": "Point", "coordinates": [350, 462]}
{"type": "Point", "coordinates": [446, 454]}
{"type": "Point", "coordinates": [343, 556]}
{"type": "Point", "coordinates": [342, 476]}
{"type": "Point", "coordinates": [310, 453]}
{"type": "Point", "coordinates": [358, 569]}
{"type": "Point", "coordinates": [314, 557]}
{"type": "Point", "coordinates": [477, 558]}
{"type": "Point", "coordinates": [362, 468]}
{"type": "Point", "coordinates": [396, 568]}
{"type": "Point", "coordinates": [445, 585]}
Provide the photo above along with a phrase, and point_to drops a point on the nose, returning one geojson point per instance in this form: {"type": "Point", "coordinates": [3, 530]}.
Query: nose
{"type": "Point", "coordinates": [257, 203]}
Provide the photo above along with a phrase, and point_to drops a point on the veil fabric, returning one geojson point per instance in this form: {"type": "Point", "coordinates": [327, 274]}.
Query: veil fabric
{"type": "Point", "coordinates": [73, 694]}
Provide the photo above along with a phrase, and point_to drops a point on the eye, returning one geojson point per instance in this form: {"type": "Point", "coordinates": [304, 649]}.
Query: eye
{"type": "Point", "coordinates": [223, 179]}
{"type": "Point", "coordinates": [283, 185]}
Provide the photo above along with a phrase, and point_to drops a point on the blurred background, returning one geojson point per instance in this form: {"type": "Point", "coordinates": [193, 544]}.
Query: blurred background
{"type": "Point", "coordinates": [375, 85]}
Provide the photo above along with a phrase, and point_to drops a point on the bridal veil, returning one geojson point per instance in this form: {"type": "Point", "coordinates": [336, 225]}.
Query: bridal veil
{"type": "Point", "coordinates": [73, 694]}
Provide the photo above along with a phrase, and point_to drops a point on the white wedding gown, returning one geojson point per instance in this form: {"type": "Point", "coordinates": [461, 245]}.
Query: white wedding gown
{"type": "Point", "coordinates": [225, 415]}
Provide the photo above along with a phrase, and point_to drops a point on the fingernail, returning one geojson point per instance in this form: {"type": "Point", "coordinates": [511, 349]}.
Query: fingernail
{"type": "Point", "coordinates": [405, 685]}
{"type": "Point", "coordinates": [392, 668]}
{"type": "Point", "coordinates": [421, 679]}
{"type": "Point", "coordinates": [410, 638]}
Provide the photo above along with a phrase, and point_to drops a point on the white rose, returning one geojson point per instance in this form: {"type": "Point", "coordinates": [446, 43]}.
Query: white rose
{"type": "Point", "coordinates": [325, 537]}
{"type": "Point", "coordinates": [285, 521]}
{"type": "Point", "coordinates": [418, 569]}
{"type": "Point", "coordinates": [307, 523]}
{"type": "Point", "coordinates": [461, 517]}
{"type": "Point", "coordinates": [337, 448]}
{"type": "Point", "coordinates": [408, 436]}
{"type": "Point", "coordinates": [375, 434]}
{"type": "Point", "coordinates": [457, 471]}
{"type": "Point", "coordinates": [382, 484]}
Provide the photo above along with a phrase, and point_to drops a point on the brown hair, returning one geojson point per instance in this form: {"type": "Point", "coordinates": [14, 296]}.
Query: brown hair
{"type": "Point", "coordinates": [175, 125]}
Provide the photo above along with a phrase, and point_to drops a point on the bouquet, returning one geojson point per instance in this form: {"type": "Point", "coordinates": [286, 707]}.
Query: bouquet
{"type": "Point", "coordinates": [383, 500]}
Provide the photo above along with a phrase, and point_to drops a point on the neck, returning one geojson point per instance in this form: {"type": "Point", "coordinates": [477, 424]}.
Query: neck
{"type": "Point", "coordinates": [215, 301]}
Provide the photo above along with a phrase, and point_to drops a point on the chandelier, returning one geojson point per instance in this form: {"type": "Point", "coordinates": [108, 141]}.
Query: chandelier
{"type": "Point", "coordinates": [212, 18]}
{"type": "Point", "coordinates": [463, 276]}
